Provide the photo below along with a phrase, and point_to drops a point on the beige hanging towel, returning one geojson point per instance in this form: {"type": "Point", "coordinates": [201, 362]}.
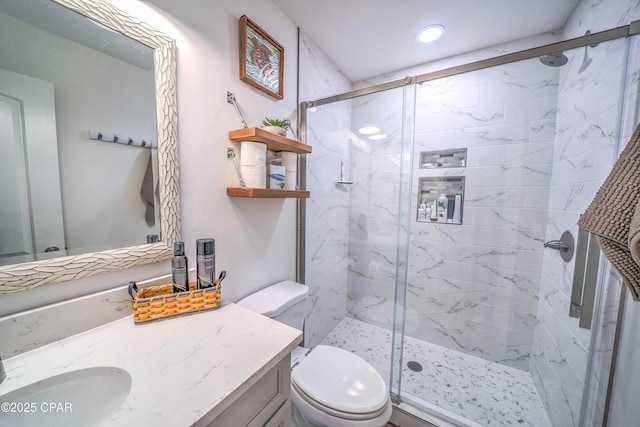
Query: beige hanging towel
{"type": "Point", "coordinates": [614, 215]}
{"type": "Point", "coordinates": [634, 235]}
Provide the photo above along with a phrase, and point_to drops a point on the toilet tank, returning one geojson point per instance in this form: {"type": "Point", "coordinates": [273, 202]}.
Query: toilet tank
{"type": "Point", "coordinates": [284, 302]}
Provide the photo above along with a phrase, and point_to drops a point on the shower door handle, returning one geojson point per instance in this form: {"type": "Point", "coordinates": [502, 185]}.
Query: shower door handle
{"type": "Point", "coordinates": [585, 278]}
{"type": "Point", "coordinates": [590, 282]}
{"type": "Point", "coordinates": [575, 306]}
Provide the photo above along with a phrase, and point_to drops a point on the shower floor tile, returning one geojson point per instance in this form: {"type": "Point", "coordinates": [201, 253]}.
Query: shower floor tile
{"type": "Point", "coordinates": [485, 392]}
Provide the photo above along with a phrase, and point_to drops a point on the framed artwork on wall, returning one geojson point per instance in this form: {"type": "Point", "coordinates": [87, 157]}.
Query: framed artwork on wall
{"type": "Point", "coordinates": [261, 59]}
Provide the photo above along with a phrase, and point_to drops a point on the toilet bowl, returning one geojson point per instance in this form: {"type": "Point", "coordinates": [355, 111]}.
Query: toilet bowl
{"type": "Point", "coordinates": [329, 386]}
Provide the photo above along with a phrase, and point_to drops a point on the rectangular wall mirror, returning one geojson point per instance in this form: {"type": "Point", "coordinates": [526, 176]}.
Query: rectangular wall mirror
{"type": "Point", "coordinates": [88, 131]}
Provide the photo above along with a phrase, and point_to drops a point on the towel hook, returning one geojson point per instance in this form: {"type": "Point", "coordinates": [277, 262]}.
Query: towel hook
{"type": "Point", "coordinates": [565, 245]}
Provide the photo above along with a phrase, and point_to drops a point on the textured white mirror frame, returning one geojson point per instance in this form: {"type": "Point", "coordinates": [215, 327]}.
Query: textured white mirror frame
{"type": "Point", "coordinates": [20, 277]}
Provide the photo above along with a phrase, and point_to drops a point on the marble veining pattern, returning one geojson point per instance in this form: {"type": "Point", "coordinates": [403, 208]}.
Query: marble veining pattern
{"type": "Point", "coordinates": [204, 367]}
{"type": "Point", "coordinates": [487, 393]}
{"type": "Point", "coordinates": [31, 329]}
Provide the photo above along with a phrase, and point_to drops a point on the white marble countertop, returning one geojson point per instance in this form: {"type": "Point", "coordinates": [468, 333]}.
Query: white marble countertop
{"type": "Point", "coordinates": [182, 369]}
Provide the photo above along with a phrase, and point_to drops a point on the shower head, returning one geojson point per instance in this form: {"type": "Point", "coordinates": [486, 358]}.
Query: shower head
{"type": "Point", "coordinates": [556, 59]}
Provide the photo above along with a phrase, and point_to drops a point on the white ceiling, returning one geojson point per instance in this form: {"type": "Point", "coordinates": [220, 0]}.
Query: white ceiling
{"type": "Point", "coordinates": [366, 38]}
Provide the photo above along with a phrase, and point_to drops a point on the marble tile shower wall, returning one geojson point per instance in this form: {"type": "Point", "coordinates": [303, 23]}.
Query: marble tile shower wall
{"type": "Point", "coordinates": [587, 133]}
{"type": "Point", "coordinates": [472, 287]}
{"type": "Point", "coordinates": [327, 208]}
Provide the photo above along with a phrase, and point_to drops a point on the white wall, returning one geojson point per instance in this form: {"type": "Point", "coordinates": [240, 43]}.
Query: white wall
{"type": "Point", "coordinates": [255, 238]}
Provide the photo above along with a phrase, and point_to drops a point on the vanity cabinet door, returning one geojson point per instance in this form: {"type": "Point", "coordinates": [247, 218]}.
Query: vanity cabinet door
{"type": "Point", "coordinates": [257, 406]}
{"type": "Point", "coordinates": [282, 418]}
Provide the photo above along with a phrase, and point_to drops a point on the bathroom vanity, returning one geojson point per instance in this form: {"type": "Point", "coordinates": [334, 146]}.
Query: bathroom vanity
{"type": "Point", "coordinates": [225, 367]}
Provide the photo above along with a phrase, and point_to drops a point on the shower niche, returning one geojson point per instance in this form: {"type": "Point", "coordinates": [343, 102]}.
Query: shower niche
{"type": "Point", "coordinates": [441, 199]}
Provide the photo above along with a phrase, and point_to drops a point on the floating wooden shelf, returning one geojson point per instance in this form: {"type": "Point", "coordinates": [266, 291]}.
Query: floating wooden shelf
{"type": "Point", "coordinates": [266, 193]}
{"type": "Point", "coordinates": [274, 142]}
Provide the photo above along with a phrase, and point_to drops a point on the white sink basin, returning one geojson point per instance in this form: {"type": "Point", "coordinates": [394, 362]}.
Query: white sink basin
{"type": "Point", "coordinates": [84, 397]}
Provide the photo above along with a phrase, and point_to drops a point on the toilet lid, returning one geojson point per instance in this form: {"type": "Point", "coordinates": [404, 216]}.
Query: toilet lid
{"type": "Point", "coordinates": [275, 299]}
{"type": "Point", "coordinates": [340, 380]}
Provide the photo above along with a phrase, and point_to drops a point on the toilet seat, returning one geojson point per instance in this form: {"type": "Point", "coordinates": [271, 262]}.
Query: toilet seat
{"type": "Point", "coordinates": [306, 415]}
{"type": "Point", "coordinates": [301, 396]}
{"type": "Point", "coordinates": [341, 384]}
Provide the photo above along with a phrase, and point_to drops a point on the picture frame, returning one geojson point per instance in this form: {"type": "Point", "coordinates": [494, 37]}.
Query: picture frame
{"type": "Point", "coordinates": [261, 59]}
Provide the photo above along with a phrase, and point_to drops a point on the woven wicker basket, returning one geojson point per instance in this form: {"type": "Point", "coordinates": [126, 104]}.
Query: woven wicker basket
{"type": "Point", "coordinates": [160, 302]}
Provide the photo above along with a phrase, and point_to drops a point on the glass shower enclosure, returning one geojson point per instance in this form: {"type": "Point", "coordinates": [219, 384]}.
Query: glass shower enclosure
{"type": "Point", "coordinates": [430, 205]}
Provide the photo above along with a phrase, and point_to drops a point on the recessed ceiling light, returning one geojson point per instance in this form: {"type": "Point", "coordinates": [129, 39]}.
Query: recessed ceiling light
{"type": "Point", "coordinates": [430, 33]}
{"type": "Point", "coordinates": [368, 130]}
{"type": "Point", "coordinates": [378, 136]}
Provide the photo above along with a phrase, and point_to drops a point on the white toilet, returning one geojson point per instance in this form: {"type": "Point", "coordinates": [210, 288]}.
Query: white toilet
{"type": "Point", "coordinates": [329, 386]}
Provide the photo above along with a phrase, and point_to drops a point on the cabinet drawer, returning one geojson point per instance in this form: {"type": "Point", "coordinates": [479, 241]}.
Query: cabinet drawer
{"type": "Point", "coordinates": [258, 404]}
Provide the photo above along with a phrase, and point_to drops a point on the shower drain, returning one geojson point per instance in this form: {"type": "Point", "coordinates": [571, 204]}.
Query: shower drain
{"type": "Point", "coordinates": [414, 366]}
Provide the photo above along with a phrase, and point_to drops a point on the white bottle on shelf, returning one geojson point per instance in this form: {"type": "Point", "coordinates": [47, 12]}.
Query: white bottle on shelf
{"type": "Point", "coordinates": [443, 204]}
{"type": "Point", "coordinates": [434, 211]}
{"type": "Point", "coordinates": [457, 217]}
{"type": "Point", "coordinates": [422, 212]}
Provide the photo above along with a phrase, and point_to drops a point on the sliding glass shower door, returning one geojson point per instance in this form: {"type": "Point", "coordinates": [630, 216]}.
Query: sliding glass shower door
{"type": "Point", "coordinates": [518, 151]}
{"type": "Point", "coordinates": [356, 180]}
